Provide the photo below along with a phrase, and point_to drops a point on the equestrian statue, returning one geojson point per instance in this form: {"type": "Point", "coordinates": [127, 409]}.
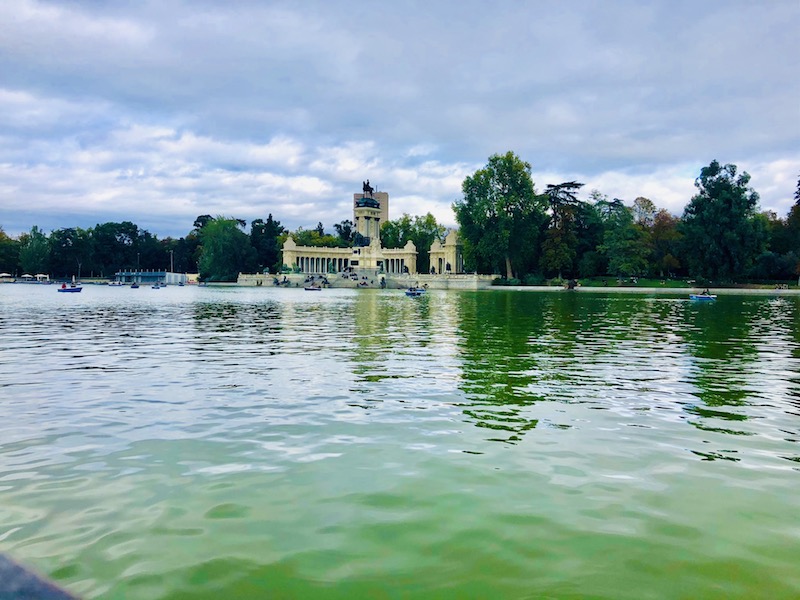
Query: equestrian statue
{"type": "Point", "coordinates": [367, 189]}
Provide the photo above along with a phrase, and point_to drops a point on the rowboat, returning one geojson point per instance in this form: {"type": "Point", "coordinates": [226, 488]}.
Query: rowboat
{"type": "Point", "coordinates": [73, 288]}
{"type": "Point", "coordinates": [414, 292]}
{"type": "Point", "coordinates": [702, 297]}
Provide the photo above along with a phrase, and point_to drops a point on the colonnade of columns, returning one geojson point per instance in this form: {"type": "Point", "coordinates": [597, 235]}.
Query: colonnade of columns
{"type": "Point", "coordinates": [318, 264]}
{"type": "Point", "coordinates": [394, 265]}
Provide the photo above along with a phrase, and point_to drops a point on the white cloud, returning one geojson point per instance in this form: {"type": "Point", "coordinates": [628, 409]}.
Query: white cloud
{"type": "Point", "coordinates": [776, 183]}
{"type": "Point", "coordinates": [160, 111]}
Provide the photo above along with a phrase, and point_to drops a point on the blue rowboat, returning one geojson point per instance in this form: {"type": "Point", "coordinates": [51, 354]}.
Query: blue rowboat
{"type": "Point", "coordinates": [702, 297]}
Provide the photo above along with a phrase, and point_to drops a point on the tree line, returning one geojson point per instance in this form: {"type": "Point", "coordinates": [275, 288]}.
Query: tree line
{"type": "Point", "coordinates": [509, 228]}
{"type": "Point", "coordinates": [506, 225]}
{"type": "Point", "coordinates": [218, 248]}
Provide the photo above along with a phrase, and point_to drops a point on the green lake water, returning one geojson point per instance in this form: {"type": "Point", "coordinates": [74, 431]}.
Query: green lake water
{"type": "Point", "coordinates": [214, 443]}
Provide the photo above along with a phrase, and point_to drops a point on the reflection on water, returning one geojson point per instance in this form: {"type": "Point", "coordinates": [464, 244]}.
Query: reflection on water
{"type": "Point", "coordinates": [206, 443]}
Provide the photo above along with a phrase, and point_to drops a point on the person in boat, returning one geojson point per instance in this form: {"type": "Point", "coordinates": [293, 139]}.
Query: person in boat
{"type": "Point", "coordinates": [63, 286]}
{"type": "Point", "coordinates": [705, 292]}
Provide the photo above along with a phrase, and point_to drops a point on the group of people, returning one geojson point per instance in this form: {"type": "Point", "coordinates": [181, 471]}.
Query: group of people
{"type": "Point", "coordinates": [313, 278]}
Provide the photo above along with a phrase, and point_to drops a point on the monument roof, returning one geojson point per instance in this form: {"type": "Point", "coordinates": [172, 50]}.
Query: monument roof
{"type": "Point", "coordinates": [368, 202]}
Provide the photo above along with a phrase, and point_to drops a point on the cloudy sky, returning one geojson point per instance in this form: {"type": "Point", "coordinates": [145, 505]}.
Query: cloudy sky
{"type": "Point", "coordinates": [159, 111]}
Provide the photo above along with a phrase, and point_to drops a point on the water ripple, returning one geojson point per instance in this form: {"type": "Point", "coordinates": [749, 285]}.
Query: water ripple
{"type": "Point", "coordinates": [206, 443]}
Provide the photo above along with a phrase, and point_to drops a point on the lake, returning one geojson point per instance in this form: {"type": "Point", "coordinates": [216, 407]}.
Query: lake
{"type": "Point", "coordinates": [199, 443]}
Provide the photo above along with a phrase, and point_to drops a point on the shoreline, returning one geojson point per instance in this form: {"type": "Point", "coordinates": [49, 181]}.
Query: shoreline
{"type": "Point", "coordinates": [652, 290]}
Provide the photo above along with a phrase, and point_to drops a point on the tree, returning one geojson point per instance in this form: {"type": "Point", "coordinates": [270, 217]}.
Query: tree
{"type": "Point", "coordinates": [264, 237]}
{"type": "Point", "coordinates": [226, 250]}
{"type": "Point", "coordinates": [797, 193]}
{"type": "Point", "coordinates": [666, 243]}
{"type": "Point", "coordinates": [421, 231]}
{"type": "Point", "coordinates": [183, 253]}
{"type": "Point", "coordinates": [626, 244]}
{"type": "Point", "coordinates": [152, 254]}
{"type": "Point", "coordinates": [9, 253]}
{"type": "Point", "coordinates": [115, 246]}
{"type": "Point", "coordinates": [721, 235]}
{"type": "Point", "coordinates": [425, 230]}
{"type": "Point", "coordinates": [499, 215]}
{"type": "Point", "coordinates": [793, 222]}
{"type": "Point", "coordinates": [395, 233]}
{"type": "Point", "coordinates": [71, 252]}
{"type": "Point", "coordinates": [589, 230]}
{"type": "Point", "coordinates": [201, 221]}
{"type": "Point", "coordinates": [311, 237]}
{"type": "Point", "coordinates": [34, 252]}
{"type": "Point", "coordinates": [345, 230]}
{"type": "Point", "coordinates": [644, 212]}
{"type": "Point", "coordinates": [559, 248]}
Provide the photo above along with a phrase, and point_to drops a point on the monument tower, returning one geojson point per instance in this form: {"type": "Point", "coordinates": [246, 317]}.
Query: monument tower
{"type": "Point", "coordinates": [370, 211]}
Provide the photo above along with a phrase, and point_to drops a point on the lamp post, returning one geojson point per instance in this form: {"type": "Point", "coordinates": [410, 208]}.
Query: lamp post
{"type": "Point", "coordinates": [170, 260]}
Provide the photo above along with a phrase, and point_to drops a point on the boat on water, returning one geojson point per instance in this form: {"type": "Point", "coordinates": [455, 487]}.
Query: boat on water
{"type": "Point", "coordinates": [70, 288]}
{"type": "Point", "coordinates": [414, 292]}
{"type": "Point", "coordinates": [134, 286]}
{"type": "Point", "coordinates": [313, 288]}
{"type": "Point", "coordinates": [703, 297]}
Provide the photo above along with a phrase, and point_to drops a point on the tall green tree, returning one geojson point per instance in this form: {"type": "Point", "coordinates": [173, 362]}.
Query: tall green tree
{"type": "Point", "coordinates": [626, 243]}
{"type": "Point", "coordinates": [722, 237]}
{"type": "Point", "coordinates": [560, 245]}
{"type": "Point", "coordinates": [396, 232]}
{"type": "Point", "coordinates": [422, 231]}
{"type": "Point", "coordinates": [71, 252]}
{"type": "Point", "coordinates": [264, 237]}
{"type": "Point", "coordinates": [666, 243]}
{"type": "Point", "coordinates": [589, 230]}
{"type": "Point", "coordinates": [226, 250]}
{"type": "Point", "coordinates": [793, 221]}
{"type": "Point", "coordinates": [152, 254]}
{"type": "Point", "coordinates": [183, 250]}
{"type": "Point", "coordinates": [785, 240]}
{"type": "Point", "coordinates": [9, 253]}
{"type": "Point", "coordinates": [500, 215]}
{"type": "Point", "coordinates": [797, 193]}
{"type": "Point", "coordinates": [115, 246]}
{"type": "Point", "coordinates": [34, 252]}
